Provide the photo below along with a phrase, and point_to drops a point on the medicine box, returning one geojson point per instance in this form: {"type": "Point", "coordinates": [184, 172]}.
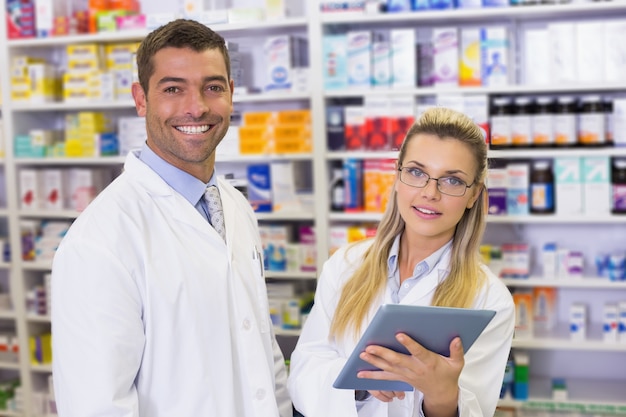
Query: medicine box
{"type": "Point", "coordinates": [568, 185]}
{"type": "Point", "coordinates": [596, 185]}
{"type": "Point", "coordinates": [445, 56]}
{"type": "Point", "coordinates": [578, 321]}
{"type": "Point", "coordinates": [494, 59]}
{"type": "Point", "coordinates": [403, 58]}
{"type": "Point", "coordinates": [517, 175]}
{"type": "Point", "coordinates": [259, 187]}
{"type": "Point", "coordinates": [335, 61]}
{"type": "Point", "coordinates": [359, 61]}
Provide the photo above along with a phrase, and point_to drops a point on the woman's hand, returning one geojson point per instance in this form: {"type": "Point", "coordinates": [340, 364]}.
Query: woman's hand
{"type": "Point", "coordinates": [436, 376]}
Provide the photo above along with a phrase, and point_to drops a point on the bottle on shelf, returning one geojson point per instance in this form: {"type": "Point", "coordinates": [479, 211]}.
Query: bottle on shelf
{"type": "Point", "coordinates": [337, 188]}
{"type": "Point", "coordinates": [500, 123]}
{"type": "Point", "coordinates": [541, 188]}
{"type": "Point", "coordinates": [521, 129]}
{"type": "Point", "coordinates": [542, 122]}
{"type": "Point", "coordinates": [565, 121]}
{"type": "Point", "coordinates": [618, 185]}
{"type": "Point", "coordinates": [591, 131]}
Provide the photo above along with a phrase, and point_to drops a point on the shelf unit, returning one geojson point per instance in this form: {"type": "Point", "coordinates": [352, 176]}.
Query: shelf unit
{"type": "Point", "coordinates": [314, 25]}
{"type": "Point", "coordinates": [20, 115]}
{"type": "Point", "coordinates": [553, 354]}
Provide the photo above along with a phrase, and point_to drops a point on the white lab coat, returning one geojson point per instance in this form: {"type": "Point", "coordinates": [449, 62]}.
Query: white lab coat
{"type": "Point", "coordinates": [316, 361]}
{"type": "Point", "coordinates": [154, 316]}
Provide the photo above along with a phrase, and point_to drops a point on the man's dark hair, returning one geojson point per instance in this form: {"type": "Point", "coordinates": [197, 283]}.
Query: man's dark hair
{"type": "Point", "coordinates": [180, 33]}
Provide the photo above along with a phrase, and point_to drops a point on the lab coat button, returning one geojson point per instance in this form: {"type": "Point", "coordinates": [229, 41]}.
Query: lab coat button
{"type": "Point", "coordinates": [246, 324]}
{"type": "Point", "coordinates": [260, 394]}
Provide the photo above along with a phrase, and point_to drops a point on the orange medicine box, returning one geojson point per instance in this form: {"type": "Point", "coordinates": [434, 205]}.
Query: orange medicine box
{"type": "Point", "coordinates": [291, 138]}
{"type": "Point", "coordinates": [294, 116]}
{"type": "Point", "coordinates": [254, 140]}
{"type": "Point", "coordinates": [258, 118]}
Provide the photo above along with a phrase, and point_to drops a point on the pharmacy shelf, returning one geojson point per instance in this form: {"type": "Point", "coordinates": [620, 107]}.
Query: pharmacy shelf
{"type": "Point", "coordinates": [559, 339]}
{"type": "Point", "coordinates": [485, 14]}
{"type": "Point", "coordinates": [355, 217]}
{"type": "Point", "coordinates": [49, 161]}
{"type": "Point", "coordinates": [9, 365]}
{"type": "Point", "coordinates": [556, 152]}
{"type": "Point", "coordinates": [336, 155]}
{"type": "Point", "coordinates": [38, 318]}
{"type": "Point", "coordinates": [37, 265]}
{"type": "Point", "coordinates": [28, 107]}
{"type": "Point", "coordinates": [232, 29]}
{"type": "Point", "coordinates": [285, 215]}
{"type": "Point", "coordinates": [584, 282]}
{"type": "Point", "coordinates": [585, 396]}
{"type": "Point", "coordinates": [503, 154]}
{"type": "Point", "coordinates": [7, 315]}
{"type": "Point", "coordinates": [287, 332]}
{"type": "Point", "coordinates": [558, 219]}
{"type": "Point", "coordinates": [9, 413]}
{"type": "Point", "coordinates": [224, 158]}
{"type": "Point", "coordinates": [291, 275]}
{"type": "Point", "coordinates": [529, 219]}
{"type": "Point", "coordinates": [504, 90]}
{"type": "Point", "coordinates": [41, 368]}
{"type": "Point", "coordinates": [48, 214]}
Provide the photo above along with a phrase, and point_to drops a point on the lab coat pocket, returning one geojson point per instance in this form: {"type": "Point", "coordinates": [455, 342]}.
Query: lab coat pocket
{"type": "Point", "coordinates": [264, 319]}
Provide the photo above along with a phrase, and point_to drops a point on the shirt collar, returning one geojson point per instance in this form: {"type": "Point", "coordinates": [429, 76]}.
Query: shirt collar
{"type": "Point", "coordinates": [182, 182]}
{"type": "Point", "coordinates": [431, 261]}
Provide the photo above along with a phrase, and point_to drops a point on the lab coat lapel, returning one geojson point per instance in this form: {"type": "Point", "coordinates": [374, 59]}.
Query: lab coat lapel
{"type": "Point", "coordinates": [174, 202]}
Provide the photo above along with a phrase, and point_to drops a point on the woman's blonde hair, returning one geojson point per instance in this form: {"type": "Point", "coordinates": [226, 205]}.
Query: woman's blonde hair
{"type": "Point", "coordinates": [465, 278]}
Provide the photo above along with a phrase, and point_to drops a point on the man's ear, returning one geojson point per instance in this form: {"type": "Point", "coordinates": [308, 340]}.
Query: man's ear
{"type": "Point", "coordinates": [140, 99]}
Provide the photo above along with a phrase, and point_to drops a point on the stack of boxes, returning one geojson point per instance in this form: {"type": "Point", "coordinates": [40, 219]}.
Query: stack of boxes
{"type": "Point", "coordinates": [280, 132]}
{"type": "Point", "coordinates": [59, 189]}
{"type": "Point", "coordinates": [88, 134]}
{"type": "Point", "coordinates": [100, 72]}
{"type": "Point", "coordinates": [33, 80]}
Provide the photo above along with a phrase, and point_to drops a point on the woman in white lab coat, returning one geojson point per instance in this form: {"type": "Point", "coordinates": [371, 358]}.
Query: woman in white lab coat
{"type": "Point", "coordinates": [426, 252]}
{"type": "Point", "coordinates": [154, 314]}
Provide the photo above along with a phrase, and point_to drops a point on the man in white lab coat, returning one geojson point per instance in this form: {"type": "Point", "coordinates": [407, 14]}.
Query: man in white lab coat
{"type": "Point", "coordinates": [154, 314]}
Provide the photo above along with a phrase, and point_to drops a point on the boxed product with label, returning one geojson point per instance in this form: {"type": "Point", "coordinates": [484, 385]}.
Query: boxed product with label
{"type": "Point", "coordinates": [402, 116]}
{"type": "Point", "coordinates": [568, 185]}
{"type": "Point", "coordinates": [335, 61]}
{"type": "Point", "coordinates": [578, 321]}
{"type": "Point", "coordinates": [355, 135]}
{"type": "Point", "coordinates": [259, 187]}
{"type": "Point", "coordinates": [359, 58]}
{"type": "Point", "coordinates": [517, 175]}
{"type": "Point", "coordinates": [497, 187]}
{"type": "Point", "coordinates": [596, 185]}
{"type": "Point", "coordinates": [377, 126]}
{"type": "Point", "coordinates": [403, 58]}
{"type": "Point", "coordinates": [494, 44]}
{"type": "Point", "coordinates": [445, 56]}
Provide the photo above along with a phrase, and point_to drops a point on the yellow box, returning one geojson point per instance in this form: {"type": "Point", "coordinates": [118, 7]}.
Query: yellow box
{"type": "Point", "coordinates": [84, 51]}
{"type": "Point", "coordinates": [76, 79]}
{"type": "Point", "coordinates": [24, 61]}
{"type": "Point", "coordinates": [120, 55]}
{"type": "Point", "coordinates": [76, 94]}
{"type": "Point", "coordinates": [294, 116]}
{"type": "Point", "coordinates": [43, 82]}
{"type": "Point", "coordinates": [258, 118]}
{"type": "Point", "coordinates": [79, 65]}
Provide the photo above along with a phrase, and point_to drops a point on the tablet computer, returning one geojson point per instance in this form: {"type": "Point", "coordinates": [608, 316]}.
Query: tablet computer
{"type": "Point", "coordinates": [432, 327]}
